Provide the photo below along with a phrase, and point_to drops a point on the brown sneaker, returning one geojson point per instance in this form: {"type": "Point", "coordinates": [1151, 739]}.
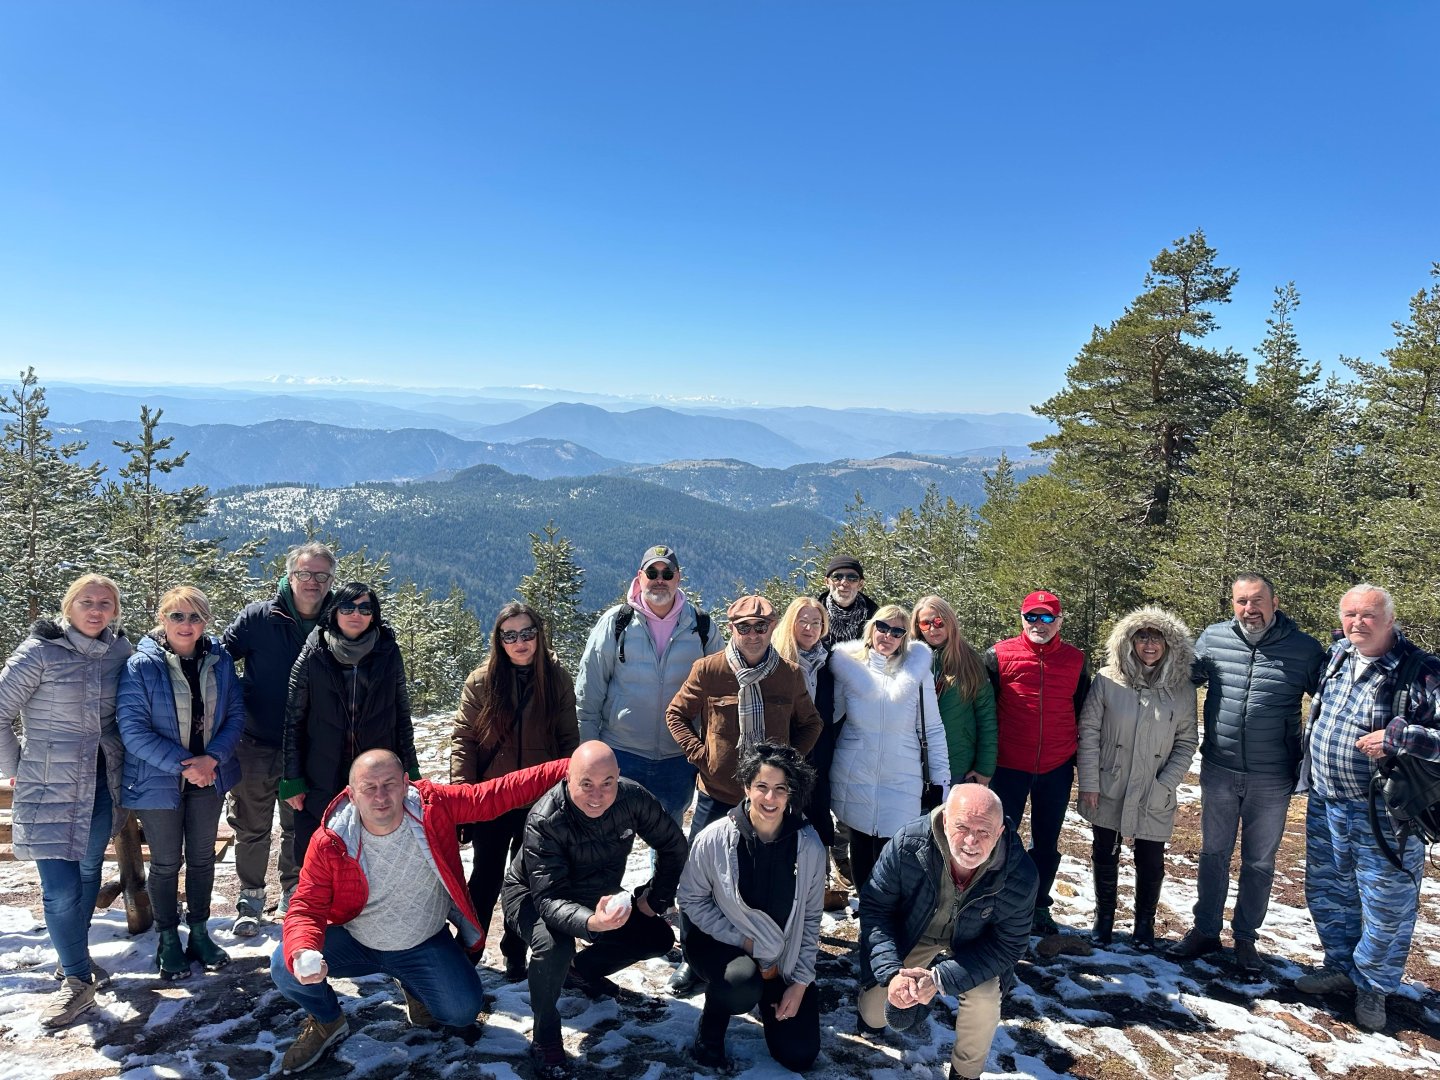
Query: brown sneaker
{"type": "Point", "coordinates": [837, 899]}
{"type": "Point", "coordinates": [312, 1042]}
{"type": "Point", "coordinates": [66, 1004]}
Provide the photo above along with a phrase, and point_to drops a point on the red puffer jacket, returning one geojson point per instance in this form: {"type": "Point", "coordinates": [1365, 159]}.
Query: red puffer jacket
{"type": "Point", "coordinates": [333, 889]}
{"type": "Point", "coordinates": [1038, 693]}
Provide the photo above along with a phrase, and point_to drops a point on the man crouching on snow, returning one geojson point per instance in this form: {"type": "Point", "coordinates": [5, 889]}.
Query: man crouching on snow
{"type": "Point", "coordinates": [381, 881]}
{"type": "Point", "coordinates": [947, 910]}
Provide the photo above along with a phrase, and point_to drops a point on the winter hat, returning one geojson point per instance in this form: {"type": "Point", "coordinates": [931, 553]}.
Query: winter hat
{"type": "Point", "coordinates": [844, 562]}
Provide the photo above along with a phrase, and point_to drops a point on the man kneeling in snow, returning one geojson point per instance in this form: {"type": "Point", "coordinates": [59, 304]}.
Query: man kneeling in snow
{"type": "Point", "coordinates": [947, 910]}
{"type": "Point", "coordinates": [381, 881]}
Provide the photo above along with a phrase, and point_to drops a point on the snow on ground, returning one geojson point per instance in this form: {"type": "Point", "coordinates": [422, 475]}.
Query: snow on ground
{"type": "Point", "coordinates": [1098, 1013]}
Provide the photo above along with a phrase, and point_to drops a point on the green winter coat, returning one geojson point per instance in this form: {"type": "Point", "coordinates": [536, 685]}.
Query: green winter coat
{"type": "Point", "coordinates": [970, 727]}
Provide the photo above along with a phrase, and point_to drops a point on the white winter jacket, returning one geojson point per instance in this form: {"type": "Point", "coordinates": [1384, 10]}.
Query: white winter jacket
{"type": "Point", "coordinates": [875, 780]}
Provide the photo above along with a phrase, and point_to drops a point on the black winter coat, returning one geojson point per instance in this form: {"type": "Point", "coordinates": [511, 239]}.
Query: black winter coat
{"type": "Point", "coordinates": [992, 929]}
{"type": "Point", "coordinates": [569, 860]}
{"type": "Point", "coordinates": [822, 754]}
{"type": "Point", "coordinates": [268, 639]}
{"type": "Point", "coordinates": [335, 713]}
{"type": "Point", "coordinates": [1253, 694]}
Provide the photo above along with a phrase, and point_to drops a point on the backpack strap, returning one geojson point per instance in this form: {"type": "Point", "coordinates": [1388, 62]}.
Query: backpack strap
{"type": "Point", "coordinates": [626, 614]}
{"type": "Point", "coordinates": [622, 620]}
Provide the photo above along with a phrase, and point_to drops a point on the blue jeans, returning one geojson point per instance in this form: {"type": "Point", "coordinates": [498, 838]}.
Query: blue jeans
{"type": "Point", "coordinates": [69, 888]}
{"type": "Point", "coordinates": [1255, 805]}
{"type": "Point", "coordinates": [1364, 909]}
{"type": "Point", "coordinates": [436, 971]}
{"type": "Point", "coordinates": [1049, 795]}
{"type": "Point", "coordinates": [671, 780]}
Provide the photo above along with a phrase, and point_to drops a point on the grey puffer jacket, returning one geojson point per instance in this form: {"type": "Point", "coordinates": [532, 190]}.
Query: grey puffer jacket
{"type": "Point", "coordinates": [1252, 700]}
{"type": "Point", "coordinates": [1137, 730]}
{"type": "Point", "coordinates": [61, 685]}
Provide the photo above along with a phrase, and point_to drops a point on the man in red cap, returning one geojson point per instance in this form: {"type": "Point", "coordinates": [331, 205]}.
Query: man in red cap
{"type": "Point", "coordinates": [1040, 684]}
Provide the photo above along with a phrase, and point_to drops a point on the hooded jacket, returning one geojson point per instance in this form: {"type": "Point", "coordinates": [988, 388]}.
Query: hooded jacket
{"type": "Point", "coordinates": [61, 686]}
{"type": "Point", "coordinates": [333, 888]}
{"type": "Point", "coordinates": [157, 738]}
{"type": "Point", "coordinates": [1253, 694]}
{"type": "Point", "coordinates": [1137, 730]}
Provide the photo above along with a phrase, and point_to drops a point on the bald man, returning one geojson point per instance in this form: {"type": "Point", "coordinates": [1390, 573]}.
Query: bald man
{"type": "Point", "coordinates": [946, 909]}
{"type": "Point", "coordinates": [565, 884]}
{"type": "Point", "coordinates": [379, 892]}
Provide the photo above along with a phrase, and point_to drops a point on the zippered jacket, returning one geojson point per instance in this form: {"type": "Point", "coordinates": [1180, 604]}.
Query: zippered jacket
{"type": "Point", "coordinates": [1039, 690]}
{"type": "Point", "coordinates": [266, 639]}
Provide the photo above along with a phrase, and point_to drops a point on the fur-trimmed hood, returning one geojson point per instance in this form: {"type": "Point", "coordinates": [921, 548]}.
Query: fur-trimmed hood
{"type": "Point", "coordinates": [1173, 671]}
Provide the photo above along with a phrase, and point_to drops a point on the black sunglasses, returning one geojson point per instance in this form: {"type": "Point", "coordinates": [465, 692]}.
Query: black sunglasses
{"type": "Point", "coordinates": [667, 574]}
{"type": "Point", "coordinates": [1039, 616]}
{"type": "Point", "coordinates": [347, 608]}
{"type": "Point", "coordinates": [745, 629]}
{"type": "Point", "coordinates": [886, 628]}
{"type": "Point", "coordinates": [510, 637]}
{"type": "Point", "coordinates": [847, 576]}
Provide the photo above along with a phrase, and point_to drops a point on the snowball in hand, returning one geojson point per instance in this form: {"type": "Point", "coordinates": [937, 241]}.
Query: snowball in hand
{"type": "Point", "coordinates": [616, 904]}
{"type": "Point", "coordinates": [307, 963]}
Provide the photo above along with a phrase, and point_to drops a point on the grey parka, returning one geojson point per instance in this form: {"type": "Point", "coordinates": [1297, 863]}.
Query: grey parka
{"type": "Point", "coordinates": [61, 685]}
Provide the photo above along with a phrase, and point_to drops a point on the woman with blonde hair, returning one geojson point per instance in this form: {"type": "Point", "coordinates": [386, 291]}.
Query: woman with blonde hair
{"type": "Point", "coordinates": [799, 638]}
{"type": "Point", "coordinates": [885, 690]}
{"type": "Point", "coordinates": [967, 700]}
{"type": "Point", "coordinates": [66, 769]}
{"type": "Point", "coordinates": [181, 714]}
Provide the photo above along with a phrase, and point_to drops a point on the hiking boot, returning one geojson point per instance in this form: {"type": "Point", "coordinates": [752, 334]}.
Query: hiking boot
{"type": "Point", "coordinates": [837, 899]}
{"type": "Point", "coordinates": [1247, 957]}
{"type": "Point", "coordinates": [1324, 981]}
{"type": "Point", "coordinates": [73, 998]}
{"type": "Point", "coordinates": [417, 1011]}
{"type": "Point", "coordinates": [312, 1042]}
{"type": "Point", "coordinates": [284, 906]}
{"type": "Point", "coordinates": [201, 949]}
{"type": "Point", "coordinates": [101, 975]}
{"type": "Point", "coordinates": [170, 958]}
{"type": "Point", "coordinates": [1195, 944]}
{"type": "Point", "coordinates": [516, 969]}
{"type": "Point", "coordinates": [1370, 1010]}
{"type": "Point", "coordinates": [866, 1031]}
{"type": "Point", "coordinates": [248, 910]}
{"type": "Point", "coordinates": [709, 1056]}
{"type": "Point", "coordinates": [551, 1061]}
{"type": "Point", "coordinates": [596, 989]}
{"type": "Point", "coordinates": [685, 980]}
{"type": "Point", "coordinates": [1043, 923]}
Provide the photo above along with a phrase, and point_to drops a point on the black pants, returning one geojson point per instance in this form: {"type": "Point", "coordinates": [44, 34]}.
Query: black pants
{"type": "Point", "coordinates": [494, 844]}
{"type": "Point", "coordinates": [1149, 854]}
{"type": "Point", "coordinates": [309, 820]}
{"type": "Point", "coordinates": [735, 986]}
{"type": "Point", "coordinates": [864, 854]}
{"type": "Point", "coordinates": [552, 952]}
{"type": "Point", "coordinates": [192, 828]}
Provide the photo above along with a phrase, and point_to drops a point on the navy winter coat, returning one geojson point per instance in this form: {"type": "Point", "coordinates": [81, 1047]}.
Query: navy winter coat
{"type": "Point", "coordinates": [992, 928]}
{"type": "Point", "coordinates": [267, 639]}
{"type": "Point", "coordinates": [150, 725]}
{"type": "Point", "coordinates": [1253, 693]}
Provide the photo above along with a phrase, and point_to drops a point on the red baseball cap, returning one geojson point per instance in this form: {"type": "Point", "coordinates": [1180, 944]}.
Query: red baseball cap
{"type": "Point", "coordinates": [1041, 601]}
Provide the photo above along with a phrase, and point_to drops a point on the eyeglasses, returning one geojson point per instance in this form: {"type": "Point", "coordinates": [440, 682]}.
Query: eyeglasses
{"type": "Point", "coordinates": [845, 576]}
{"type": "Point", "coordinates": [937, 623]}
{"type": "Point", "coordinates": [1039, 616]}
{"type": "Point", "coordinates": [320, 577]}
{"type": "Point", "coordinates": [510, 637]}
{"type": "Point", "coordinates": [808, 624]}
{"type": "Point", "coordinates": [1154, 637]}
{"type": "Point", "coordinates": [348, 608]}
{"type": "Point", "coordinates": [180, 618]}
{"type": "Point", "coordinates": [886, 628]}
{"type": "Point", "coordinates": [745, 629]}
{"type": "Point", "coordinates": [667, 573]}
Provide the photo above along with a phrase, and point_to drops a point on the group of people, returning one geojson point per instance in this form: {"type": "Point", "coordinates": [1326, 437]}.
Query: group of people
{"type": "Point", "coordinates": [840, 730]}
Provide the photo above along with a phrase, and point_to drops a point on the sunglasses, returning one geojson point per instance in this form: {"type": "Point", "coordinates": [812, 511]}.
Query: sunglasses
{"type": "Point", "coordinates": [1152, 636]}
{"type": "Point", "coordinates": [667, 574]}
{"type": "Point", "coordinates": [886, 628]}
{"type": "Point", "coordinates": [320, 577]}
{"type": "Point", "coordinates": [1039, 616]}
{"type": "Point", "coordinates": [847, 576]}
{"type": "Point", "coordinates": [745, 629]}
{"type": "Point", "coordinates": [510, 637]}
{"type": "Point", "coordinates": [937, 623]}
{"type": "Point", "coordinates": [348, 608]}
{"type": "Point", "coordinates": [180, 618]}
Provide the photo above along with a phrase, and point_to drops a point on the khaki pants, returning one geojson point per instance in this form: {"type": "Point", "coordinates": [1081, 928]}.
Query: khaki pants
{"type": "Point", "coordinates": [977, 1014]}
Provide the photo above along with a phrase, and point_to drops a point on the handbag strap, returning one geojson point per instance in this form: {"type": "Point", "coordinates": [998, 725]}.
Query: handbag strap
{"type": "Point", "coordinates": [924, 744]}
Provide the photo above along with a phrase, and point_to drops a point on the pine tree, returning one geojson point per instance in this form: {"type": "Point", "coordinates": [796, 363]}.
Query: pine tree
{"type": "Point", "coordinates": [554, 591]}
{"type": "Point", "coordinates": [50, 532]}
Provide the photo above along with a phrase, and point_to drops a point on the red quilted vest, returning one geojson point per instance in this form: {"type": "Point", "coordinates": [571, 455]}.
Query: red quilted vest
{"type": "Point", "coordinates": [1035, 705]}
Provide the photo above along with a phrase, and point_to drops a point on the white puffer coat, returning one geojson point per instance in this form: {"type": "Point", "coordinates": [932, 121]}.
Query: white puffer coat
{"type": "Point", "coordinates": [875, 779]}
{"type": "Point", "coordinates": [1137, 737]}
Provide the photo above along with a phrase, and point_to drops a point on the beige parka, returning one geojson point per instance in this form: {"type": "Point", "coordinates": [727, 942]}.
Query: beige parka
{"type": "Point", "coordinates": [1137, 729]}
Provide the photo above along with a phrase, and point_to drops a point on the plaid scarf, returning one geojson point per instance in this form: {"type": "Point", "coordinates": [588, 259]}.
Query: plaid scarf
{"type": "Point", "coordinates": [752, 701]}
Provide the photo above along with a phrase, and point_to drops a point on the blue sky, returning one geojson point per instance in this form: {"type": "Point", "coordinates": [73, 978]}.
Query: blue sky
{"type": "Point", "coordinates": [896, 204]}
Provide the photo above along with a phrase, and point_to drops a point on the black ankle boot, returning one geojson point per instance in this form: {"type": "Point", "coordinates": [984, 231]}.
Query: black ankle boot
{"type": "Point", "coordinates": [1107, 887]}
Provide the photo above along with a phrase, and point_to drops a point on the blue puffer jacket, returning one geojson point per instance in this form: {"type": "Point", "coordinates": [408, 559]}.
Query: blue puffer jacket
{"type": "Point", "coordinates": [992, 926]}
{"type": "Point", "coordinates": [150, 725]}
{"type": "Point", "coordinates": [1253, 694]}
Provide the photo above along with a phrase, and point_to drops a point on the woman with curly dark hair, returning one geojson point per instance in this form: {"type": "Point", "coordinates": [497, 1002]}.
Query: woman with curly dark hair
{"type": "Point", "coordinates": [517, 710]}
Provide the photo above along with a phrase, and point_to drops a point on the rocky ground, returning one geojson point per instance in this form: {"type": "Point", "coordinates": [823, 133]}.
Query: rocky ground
{"type": "Point", "coordinates": [1081, 1012]}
